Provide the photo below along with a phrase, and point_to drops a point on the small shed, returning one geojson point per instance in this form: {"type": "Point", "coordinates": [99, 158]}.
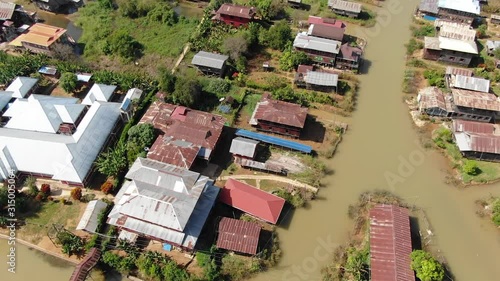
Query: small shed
{"type": "Point", "coordinates": [83, 77]}
{"type": "Point", "coordinates": [266, 66]}
{"type": "Point", "coordinates": [321, 81]}
{"type": "Point", "coordinates": [48, 70]}
{"type": "Point", "coordinates": [244, 147]}
{"type": "Point", "coordinates": [210, 63]}
{"type": "Point", "coordinates": [495, 19]}
{"type": "Point", "coordinates": [239, 236]}
{"type": "Point", "coordinates": [90, 218]}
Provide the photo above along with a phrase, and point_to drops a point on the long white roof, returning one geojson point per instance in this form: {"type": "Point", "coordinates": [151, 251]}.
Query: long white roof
{"type": "Point", "coordinates": [469, 6]}
{"type": "Point", "coordinates": [64, 157]}
{"type": "Point", "coordinates": [458, 45]}
{"type": "Point", "coordinates": [304, 41]}
{"type": "Point", "coordinates": [98, 92]}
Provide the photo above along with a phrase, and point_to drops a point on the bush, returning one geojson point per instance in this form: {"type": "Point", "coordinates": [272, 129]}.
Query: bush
{"type": "Point", "coordinates": [71, 244]}
{"type": "Point", "coordinates": [422, 31]}
{"type": "Point", "coordinates": [68, 82]}
{"type": "Point", "coordinates": [470, 167]}
{"type": "Point", "coordinates": [218, 86]}
{"type": "Point", "coordinates": [40, 197]}
{"type": "Point", "coordinates": [76, 193]}
{"type": "Point", "coordinates": [45, 189]}
{"type": "Point", "coordinates": [291, 59]}
{"type": "Point", "coordinates": [435, 78]}
{"type": "Point", "coordinates": [412, 46]}
{"type": "Point", "coordinates": [426, 267]}
{"type": "Point", "coordinates": [482, 31]}
{"type": "Point", "coordinates": [107, 187]}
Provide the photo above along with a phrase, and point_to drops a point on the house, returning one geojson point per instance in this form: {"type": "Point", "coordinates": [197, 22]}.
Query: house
{"type": "Point", "coordinates": [461, 104]}
{"type": "Point", "coordinates": [185, 134]}
{"type": "Point", "coordinates": [428, 8]}
{"type": "Point", "coordinates": [455, 30]}
{"type": "Point", "coordinates": [237, 235]}
{"type": "Point", "coordinates": [452, 71]}
{"type": "Point", "coordinates": [320, 50]}
{"type": "Point", "coordinates": [390, 244]}
{"type": "Point", "coordinates": [326, 31]}
{"type": "Point", "coordinates": [326, 21]}
{"type": "Point", "coordinates": [22, 86]}
{"type": "Point", "coordinates": [450, 50]}
{"type": "Point", "coordinates": [345, 8]}
{"type": "Point", "coordinates": [476, 140]}
{"type": "Point", "coordinates": [234, 15]}
{"type": "Point", "coordinates": [477, 84]}
{"type": "Point", "coordinates": [42, 38]}
{"type": "Point", "coordinates": [459, 10]}
{"type": "Point", "coordinates": [432, 101]}
{"type": "Point", "coordinates": [210, 63]}
{"type": "Point", "coordinates": [55, 137]}
{"type": "Point", "coordinates": [495, 19]}
{"type": "Point", "coordinates": [54, 5]}
{"type": "Point", "coordinates": [253, 201]}
{"type": "Point", "coordinates": [316, 80]}
{"type": "Point", "coordinates": [90, 218]}
{"type": "Point", "coordinates": [491, 46]}
{"type": "Point", "coordinates": [164, 203]}
{"type": "Point", "coordinates": [243, 147]}
{"type": "Point", "coordinates": [131, 98]}
{"type": "Point", "coordinates": [99, 92]}
{"type": "Point", "coordinates": [279, 117]}
{"type": "Point", "coordinates": [349, 57]}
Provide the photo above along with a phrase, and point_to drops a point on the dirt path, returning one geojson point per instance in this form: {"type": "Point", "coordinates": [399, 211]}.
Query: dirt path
{"type": "Point", "coordinates": [270, 177]}
{"type": "Point", "coordinates": [38, 248]}
{"type": "Point", "coordinates": [181, 57]}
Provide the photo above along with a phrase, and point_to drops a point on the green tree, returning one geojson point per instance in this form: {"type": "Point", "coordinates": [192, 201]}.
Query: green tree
{"type": "Point", "coordinates": [278, 36]}
{"type": "Point", "coordinates": [290, 59]}
{"type": "Point", "coordinates": [496, 212]}
{"type": "Point", "coordinates": [139, 137]}
{"type": "Point", "coordinates": [166, 80]}
{"type": "Point", "coordinates": [112, 162]}
{"type": "Point", "coordinates": [235, 46]}
{"type": "Point", "coordinates": [163, 13]}
{"type": "Point", "coordinates": [187, 91]}
{"type": "Point", "coordinates": [357, 263]}
{"type": "Point", "coordinates": [289, 95]}
{"type": "Point", "coordinates": [496, 53]}
{"type": "Point", "coordinates": [122, 44]}
{"type": "Point", "coordinates": [71, 244]}
{"type": "Point", "coordinates": [172, 272]}
{"type": "Point", "coordinates": [426, 267]}
{"type": "Point", "coordinates": [470, 167]}
{"type": "Point", "coordinates": [482, 31]}
{"type": "Point", "coordinates": [68, 81]}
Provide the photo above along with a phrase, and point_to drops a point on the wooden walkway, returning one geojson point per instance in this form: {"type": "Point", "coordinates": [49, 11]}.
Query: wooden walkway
{"type": "Point", "coordinates": [83, 269]}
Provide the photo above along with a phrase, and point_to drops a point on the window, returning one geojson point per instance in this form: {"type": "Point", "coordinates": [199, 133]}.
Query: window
{"type": "Point", "coordinates": [451, 58]}
{"type": "Point", "coordinates": [461, 60]}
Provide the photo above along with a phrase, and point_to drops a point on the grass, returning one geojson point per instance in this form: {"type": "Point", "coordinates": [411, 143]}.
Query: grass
{"type": "Point", "coordinates": [250, 102]}
{"type": "Point", "coordinates": [269, 185]}
{"type": "Point", "coordinates": [50, 213]}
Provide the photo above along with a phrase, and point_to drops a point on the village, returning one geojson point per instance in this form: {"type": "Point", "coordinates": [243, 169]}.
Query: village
{"type": "Point", "coordinates": [188, 175]}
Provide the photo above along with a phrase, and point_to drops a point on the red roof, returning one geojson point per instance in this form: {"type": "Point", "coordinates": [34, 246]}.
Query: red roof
{"type": "Point", "coordinates": [304, 68]}
{"type": "Point", "coordinates": [236, 11]}
{"type": "Point", "coordinates": [326, 31]}
{"type": "Point", "coordinates": [473, 127]}
{"type": "Point", "coordinates": [173, 152]}
{"type": "Point", "coordinates": [183, 126]}
{"type": "Point", "coordinates": [279, 112]}
{"type": "Point", "coordinates": [239, 236]}
{"type": "Point", "coordinates": [390, 244]}
{"type": "Point", "coordinates": [350, 53]}
{"type": "Point", "coordinates": [251, 200]}
{"type": "Point", "coordinates": [326, 21]}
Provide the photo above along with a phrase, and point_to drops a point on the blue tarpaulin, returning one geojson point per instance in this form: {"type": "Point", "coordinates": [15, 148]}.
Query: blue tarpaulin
{"type": "Point", "coordinates": [167, 247]}
{"type": "Point", "coordinates": [430, 18]}
{"type": "Point", "coordinates": [274, 140]}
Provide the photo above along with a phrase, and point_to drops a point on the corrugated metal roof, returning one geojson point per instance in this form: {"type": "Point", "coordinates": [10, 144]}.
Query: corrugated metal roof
{"type": "Point", "coordinates": [468, 6]}
{"type": "Point", "coordinates": [207, 59]}
{"type": "Point", "coordinates": [175, 152]}
{"type": "Point", "coordinates": [428, 6]}
{"type": "Point", "coordinates": [326, 21]}
{"type": "Point", "coordinates": [455, 30]}
{"type": "Point", "coordinates": [236, 11]}
{"type": "Point", "coordinates": [251, 200]}
{"type": "Point", "coordinates": [99, 92]}
{"type": "Point", "coordinates": [450, 70]}
{"type": "Point", "coordinates": [345, 6]}
{"type": "Point", "coordinates": [21, 86]}
{"type": "Point", "coordinates": [39, 34]}
{"type": "Point", "coordinates": [458, 45]}
{"type": "Point", "coordinates": [243, 147]}
{"type": "Point", "coordinates": [431, 97]}
{"type": "Point", "coordinates": [321, 78]}
{"type": "Point", "coordinates": [6, 10]}
{"type": "Point", "coordinates": [239, 236]}
{"type": "Point", "coordinates": [431, 43]}
{"type": "Point", "coordinates": [477, 142]}
{"type": "Point", "coordinates": [470, 83]}
{"type": "Point", "coordinates": [274, 141]}
{"type": "Point", "coordinates": [390, 244]}
{"type": "Point", "coordinates": [477, 100]}
{"type": "Point", "coordinates": [279, 112]}
{"type": "Point", "coordinates": [460, 126]}
{"type": "Point", "coordinates": [303, 41]}
{"type": "Point", "coordinates": [492, 45]}
{"type": "Point", "coordinates": [496, 17]}
{"type": "Point", "coordinates": [5, 98]}
{"type": "Point", "coordinates": [90, 218]}
{"type": "Point", "coordinates": [326, 31]}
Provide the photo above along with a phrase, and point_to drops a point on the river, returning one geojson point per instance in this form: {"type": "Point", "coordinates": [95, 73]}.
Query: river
{"type": "Point", "coordinates": [381, 137]}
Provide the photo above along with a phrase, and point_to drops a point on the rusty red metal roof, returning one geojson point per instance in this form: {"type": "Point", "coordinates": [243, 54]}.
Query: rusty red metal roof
{"type": "Point", "coordinates": [450, 70]}
{"type": "Point", "coordinates": [326, 31]}
{"type": "Point", "coordinates": [279, 112]}
{"type": "Point", "coordinates": [251, 200]}
{"type": "Point", "coordinates": [390, 244]}
{"type": "Point", "coordinates": [326, 21]}
{"type": "Point", "coordinates": [304, 68]}
{"type": "Point", "coordinates": [473, 127]}
{"type": "Point", "coordinates": [472, 99]}
{"type": "Point", "coordinates": [236, 11]}
{"type": "Point", "coordinates": [239, 236]}
{"type": "Point", "coordinates": [183, 127]}
{"type": "Point", "coordinates": [175, 152]}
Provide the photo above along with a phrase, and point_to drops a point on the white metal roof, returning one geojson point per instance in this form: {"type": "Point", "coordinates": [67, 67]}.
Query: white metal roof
{"type": "Point", "coordinates": [21, 86]}
{"type": "Point", "coordinates": [64, 157]}
{"type": "Point", "coordinates": [98, 92]}
{"type": "Point", "coordinates": [90, 217]}
{"type": "Point", "coordinates": [5, 98]}
{"type": "Point", "coordinates": [321, 78]}
{"type": "Point", "coordinates": [470, 83]}
{"type": "Point", "coordinates": [458, 45]}
{"type": "Point", "coordinates": [207, 59]}
{"type": "Point", "coordinates": [244, 147]}
{"type": "Point", "coordinates": [468, 6]}
{"type": "Point", "coordinates": [302, 40]}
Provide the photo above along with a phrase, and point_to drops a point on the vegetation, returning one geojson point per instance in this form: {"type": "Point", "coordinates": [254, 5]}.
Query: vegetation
{"type": "Point", "coordinates": [76, 193]}
{"type": "Point", "coordinates": [443, 136]}
{"type": "Point", "coordinates": [482, 31]}
{"type": "Point", "coordinates": [68, 82]}
{"type": "Point", "coordinates": [423, 30]}
{"type": "Point", "coordinates": [209, 265]}
{"type": "Point", "coordinates": [470, 167]}
{"type": "Point", "coordinates": [435, 78]}
{"type": "Point", "coordinates": [413, 45]}
{"type": "Point", "coordinates": [291, 59]}
{"type": "Point", "coordinates": [496, 212]}
{"type": "Point", "coordinates": [139, 137]}
{"type": "Point", "coordinates": [409, 81]}
{"type": "Point", "coordinates": [113, 161]}
{"type": "Point", "coordinates": [239, 267]}
{"type": "Point", "coordinates": [187, 91]}
{"type": "Point", "coordinates": [71, 244]}
{"type": "Point", "coordinates": [426, 267]}
{"type": "Point", "coordinates": [314, 172]}
{"type": "Point", "coordinates": [278, 36]}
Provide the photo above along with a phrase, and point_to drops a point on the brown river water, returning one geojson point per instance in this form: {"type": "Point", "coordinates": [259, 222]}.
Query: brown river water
{"type": "Point", "coordinates": [380, 151]}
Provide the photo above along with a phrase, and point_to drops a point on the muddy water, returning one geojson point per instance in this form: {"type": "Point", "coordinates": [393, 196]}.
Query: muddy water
{"type": "Point", "coordinates": [380, 139]}
{"type": "Point", "coordinates": [380, 144]}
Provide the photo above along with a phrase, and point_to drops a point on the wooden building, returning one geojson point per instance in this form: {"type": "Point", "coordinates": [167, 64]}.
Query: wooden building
{"type": "Point", "coordinates": [476, 140]}
{"type": "Point", "coordinates": [210, 63]}
{"type": "Point", "coordinates": [234, 15]}
{"type": "Point", "coordinates": [345, 8]}
{"type": "Point", "coordinates": [448, 50]}
{"type": "Point", "coordinates": [320, 50]}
